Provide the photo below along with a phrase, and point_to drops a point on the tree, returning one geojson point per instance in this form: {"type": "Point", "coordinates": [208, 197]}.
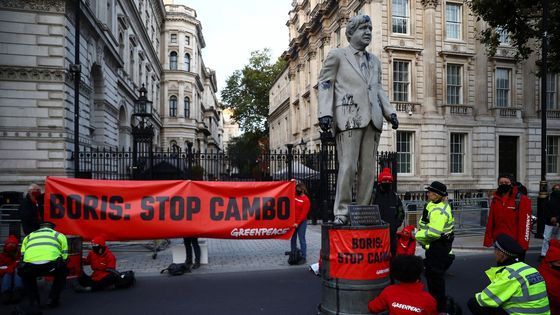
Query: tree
{"type": "Point", "coordinates": [246, 91]}
{"type": "Point", "coordinates": [522, 20]}
{"type": "Point", "coordinates": [244, 152]}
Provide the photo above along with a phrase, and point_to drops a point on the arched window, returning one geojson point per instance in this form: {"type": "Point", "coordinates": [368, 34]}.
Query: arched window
{"type": "Point", "coordinates": [187, 63]}
{"type": "Point", "coordinates": [187, 107]}
{"type": "Point", "coordinates": [173, 106]}
{"type": "Point", "coordinates": [131, 64]}
{"type": "Point", "coordinates": [173, 60]}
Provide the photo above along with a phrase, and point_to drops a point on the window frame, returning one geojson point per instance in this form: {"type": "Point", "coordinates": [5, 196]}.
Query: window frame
{"type": "Point", "coordinates": [457, 24]}
{"type": "Point", "coordinates": [552, 91]}
{"type": "Point", "coordinates": [405, 159]}
{"type": "Point", "coordinates": [173, 60]}
{"type": "Point", "coordinates": [173, 106]}
{"type": "Point", "coordinates": [187, 107]}
{"type": "Point", "coordinates": [187, 62]}
{"type": "Point", "coordinates": [498, 89]}
{"type": "Point", "coordinates": [552, 154]}
{"type": "Point", "coordinates": [458, 157]}
{"type": "Point", "coordinates": [396, 83]}
{"type": "Point", "coordinates": [173, 38]}
{"type": "Point", "coordinates": [397, 17]}
{"type": "Point", "coordinates": [458, 87]}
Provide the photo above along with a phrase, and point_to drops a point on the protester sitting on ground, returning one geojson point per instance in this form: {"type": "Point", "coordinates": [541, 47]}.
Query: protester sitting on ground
{"type": "Point", "coordinates": [406, 243]}
{"type": "Point", "coordinates": [103, 264]}
{"type": "Point", "coordinates": [407, 296]}
{"type": "Point", "coordinates": [550, 271]}
{"type": "Point", "coordinates": [515, 287]}
{"type": "Point", "coordinates": [12, 285]}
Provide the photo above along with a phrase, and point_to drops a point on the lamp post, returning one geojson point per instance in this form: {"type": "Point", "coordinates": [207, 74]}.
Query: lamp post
{"type": "Point", "coordinates": [143, 131]}
{"type": "Point", "coordinates": [543, 189]}
{"type": "Point", "coordinates": [76, 69]}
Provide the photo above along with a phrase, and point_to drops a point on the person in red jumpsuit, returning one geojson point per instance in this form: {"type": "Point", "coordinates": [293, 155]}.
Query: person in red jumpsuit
{"type": "Point", "coordinates": [12, 285]}
{"type": "Point", "coordinates": [407, 297]}
{"type": "Point", "coordinates": [510, 214]}
{"type": "Point", "coordinates": [103, 264]}
{"type": "Point", "coordinates": [302, 210]}
{"type": "Point", "coordinates": [406, 243]}
{"type": "Point", "coordinates": [550, 271]}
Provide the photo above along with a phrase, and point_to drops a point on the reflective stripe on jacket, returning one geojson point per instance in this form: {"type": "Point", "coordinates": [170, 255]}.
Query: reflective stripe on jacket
{"type": "Point", "coordinates": [518, 288]}
{"type": "Point", "coordinates": [44, 245]}
{"type": "Point", "coordinates": [440, 221]}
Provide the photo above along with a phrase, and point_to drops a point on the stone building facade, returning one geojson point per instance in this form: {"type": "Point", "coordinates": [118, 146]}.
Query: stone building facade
{"type": "Point", "coordinates": [464, 117]}
{"type": "Point", "coordinates": [123, 46]}
{"type": "Point", "coordinates": [191, 111]}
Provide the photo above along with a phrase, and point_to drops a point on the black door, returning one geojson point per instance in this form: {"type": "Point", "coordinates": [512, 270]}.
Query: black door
{"type": "Point", "coordinates": [507, 156]}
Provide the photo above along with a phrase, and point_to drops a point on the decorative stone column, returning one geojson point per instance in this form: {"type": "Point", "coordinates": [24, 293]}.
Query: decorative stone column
{"type": "Point", "coordinates": [429, 56]}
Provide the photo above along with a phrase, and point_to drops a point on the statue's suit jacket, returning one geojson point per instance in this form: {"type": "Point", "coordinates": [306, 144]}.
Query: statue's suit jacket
{"type": "Point", "coordinates": [350, 98]}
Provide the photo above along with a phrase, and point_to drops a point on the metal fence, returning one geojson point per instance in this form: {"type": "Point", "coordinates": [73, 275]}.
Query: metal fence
{"type": "Point", "coordinates": [470, 209]}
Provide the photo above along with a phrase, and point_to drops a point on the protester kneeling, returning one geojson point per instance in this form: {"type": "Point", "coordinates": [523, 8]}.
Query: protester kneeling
{"type": "Point", "coordinates": [103, 264]}
{"type": "Point", "coordinates": [408, 294]}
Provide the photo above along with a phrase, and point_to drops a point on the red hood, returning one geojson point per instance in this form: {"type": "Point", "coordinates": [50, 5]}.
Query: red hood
{"type": "Point", "coordinates": [11, 244]}
{"type": "Point", "coordinates": [553, 253]}
{"type": "Point", "coordinates": [98, 240]}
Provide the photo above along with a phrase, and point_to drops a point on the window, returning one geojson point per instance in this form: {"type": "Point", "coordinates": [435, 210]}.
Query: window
{"type": "Point", "coordinates": [187, 62]}
{"type": "Point", "coordinates": [187, 107]}
{"type": "Point", "coordinates": [131, 64]}
{"type": "Point", "coordinates": [502, 87]}
{"type": "Point", "coordinates": [187, 40]}
{"type": "Point", "coordinates": [173, 106]}
{"type": "Point", "coordinates": [405, 153]}
{"type": "Point", "coordinates": [174, 38]}
{"type": "Point", "coordinates": [552, 154]}
{"type": "Point", "coordinates": [173, 61]}
{"type": "Point", "coordinates": [400, 16]}
{"type": "Point", "coordinates": [457, 153]}
{"type": "Point", "coordinates": [401, 81]}
{"type": "Point", "coordinates": [503, 36]}
{"type": "Point", "coordinates": [551, 92]}
{"type": "Point", "coordinates": [454, 84]}
{"type": "Point", "coordinates": [453, 21]}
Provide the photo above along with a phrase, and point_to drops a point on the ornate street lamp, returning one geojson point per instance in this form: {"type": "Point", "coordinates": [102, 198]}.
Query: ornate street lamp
{"type": "Point", "coordinates": [143, 132]}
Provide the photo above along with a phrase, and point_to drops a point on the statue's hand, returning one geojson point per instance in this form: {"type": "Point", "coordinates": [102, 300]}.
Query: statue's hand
{"type": "Point", "coordinates": [325, 122]}
{"type": "Point", "coordinates": [394, 121]}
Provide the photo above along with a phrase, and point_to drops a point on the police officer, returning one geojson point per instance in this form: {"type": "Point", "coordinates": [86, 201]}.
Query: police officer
{"type": "Point", "coordinates": [435, 234]}
{"type": "Point", "coordinates": [515, 287]}
{"type": "Point", "coordinates": [44, 253]}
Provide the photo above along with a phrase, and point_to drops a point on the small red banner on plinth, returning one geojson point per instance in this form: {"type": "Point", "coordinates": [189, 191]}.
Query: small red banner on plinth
{"type": "Point", "coordinates": [359, 254]}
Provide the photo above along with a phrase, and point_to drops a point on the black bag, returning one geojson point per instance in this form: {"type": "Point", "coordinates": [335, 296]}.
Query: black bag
{"type": "Point", "coordinates": [176, 269]}
{"type": "Point", "coordinates": [125, 279]}
{"type": "Point", "coordinates": [295, 257]}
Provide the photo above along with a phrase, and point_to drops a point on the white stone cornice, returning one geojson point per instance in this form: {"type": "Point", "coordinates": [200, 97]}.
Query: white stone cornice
{"type": "Point", "coordinates": [35, 5]}
{"type": "Point", "coordinates": [35, 74]}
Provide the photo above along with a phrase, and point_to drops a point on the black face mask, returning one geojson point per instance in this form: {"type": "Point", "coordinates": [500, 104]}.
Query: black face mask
{"type": "Point", "coordinates": [502, 189]}
{"type": "Point", "coordinates": [555, 193]}
{"type": "Point", "coordinates": [557, 268]}
{"type": "Point", "coordinates": [386, 186]}
{"type": "Point", "coordinates": [298, 192]}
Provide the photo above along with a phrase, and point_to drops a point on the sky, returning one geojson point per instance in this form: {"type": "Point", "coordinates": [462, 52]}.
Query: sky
{"type": "Point", "coordinates": [232, 29]}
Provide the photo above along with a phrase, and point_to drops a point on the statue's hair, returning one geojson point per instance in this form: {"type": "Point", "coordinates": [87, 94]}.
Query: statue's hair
{"type": "Point", "coordinates": [354, 22]}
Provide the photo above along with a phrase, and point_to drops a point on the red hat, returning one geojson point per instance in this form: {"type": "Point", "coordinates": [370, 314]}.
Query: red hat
{"type": "Point", "coordinates": [11, 244]}
{"type": "Point", "coordinates": [98, 240]}
{"type": "Point", "coordinates": [409, 229]}
{"type": "Point", "coordinates": [553, 253]}
{"type": "Point", "coordinates": [385, 175]}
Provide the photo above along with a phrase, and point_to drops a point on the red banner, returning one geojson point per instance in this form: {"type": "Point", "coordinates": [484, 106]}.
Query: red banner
{"type": "Point", "coordinates": [136, 210]}
{"type": "Point", "coordinates": [359, 254]}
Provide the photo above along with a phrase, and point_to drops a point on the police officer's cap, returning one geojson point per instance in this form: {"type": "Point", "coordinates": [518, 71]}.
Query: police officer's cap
{"type": "Point", "coordinates": [508, 245]}
{"type": "Point", "coordinates": [438, 188]}
{"type": "Point", "coordinates": [48, 224]}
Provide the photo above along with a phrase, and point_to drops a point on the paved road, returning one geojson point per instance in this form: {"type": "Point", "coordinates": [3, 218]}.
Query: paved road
{"type": "Point", "coordinates": [273, 292]}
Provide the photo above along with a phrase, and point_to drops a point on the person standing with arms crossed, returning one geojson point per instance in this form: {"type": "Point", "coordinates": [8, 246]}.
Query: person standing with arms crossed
{"type": "Point", "coordinates": [435, 234]}
{"type": "Point", "coordinates": [351, 96]}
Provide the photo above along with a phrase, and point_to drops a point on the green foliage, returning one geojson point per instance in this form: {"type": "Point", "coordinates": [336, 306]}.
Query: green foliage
{"type": "Point", "coordinates": [244, 152]}
{"type": "Point", "coordinates": [522, 19]}
{"type": "Point", "coordinates": [246, 91]}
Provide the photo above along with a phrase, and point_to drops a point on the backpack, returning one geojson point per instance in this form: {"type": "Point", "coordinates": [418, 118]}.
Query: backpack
{"type": "Point", "coordinates": [295, 257]}
{"type": "Point", "coordinates": [176, 269]}
{"type": "Point", "coordinates": [126, 279]}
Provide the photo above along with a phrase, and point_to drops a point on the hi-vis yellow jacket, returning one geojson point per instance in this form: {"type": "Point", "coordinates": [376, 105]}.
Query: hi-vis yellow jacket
{"type": "Point", "coordinates": [518, 288]}
{"type": "Point", "coordinates": [44, 245]}
{"type": "Point", "coordinates": [439, 221]}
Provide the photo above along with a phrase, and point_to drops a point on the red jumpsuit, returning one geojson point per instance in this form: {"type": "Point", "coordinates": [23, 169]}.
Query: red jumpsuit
{"type": "Point", "coordinates": [552, 276]}
{"type": "Point", "coordinates": [406, 243]}
{"type": "Point", "coordinates": [505, 218]}
{"type": "Point", "coordinates": [404, 299]}
{"type": "Point", "coordinates": [11, 256]}
{"type": "Point", "coordinates": [100, 263]}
